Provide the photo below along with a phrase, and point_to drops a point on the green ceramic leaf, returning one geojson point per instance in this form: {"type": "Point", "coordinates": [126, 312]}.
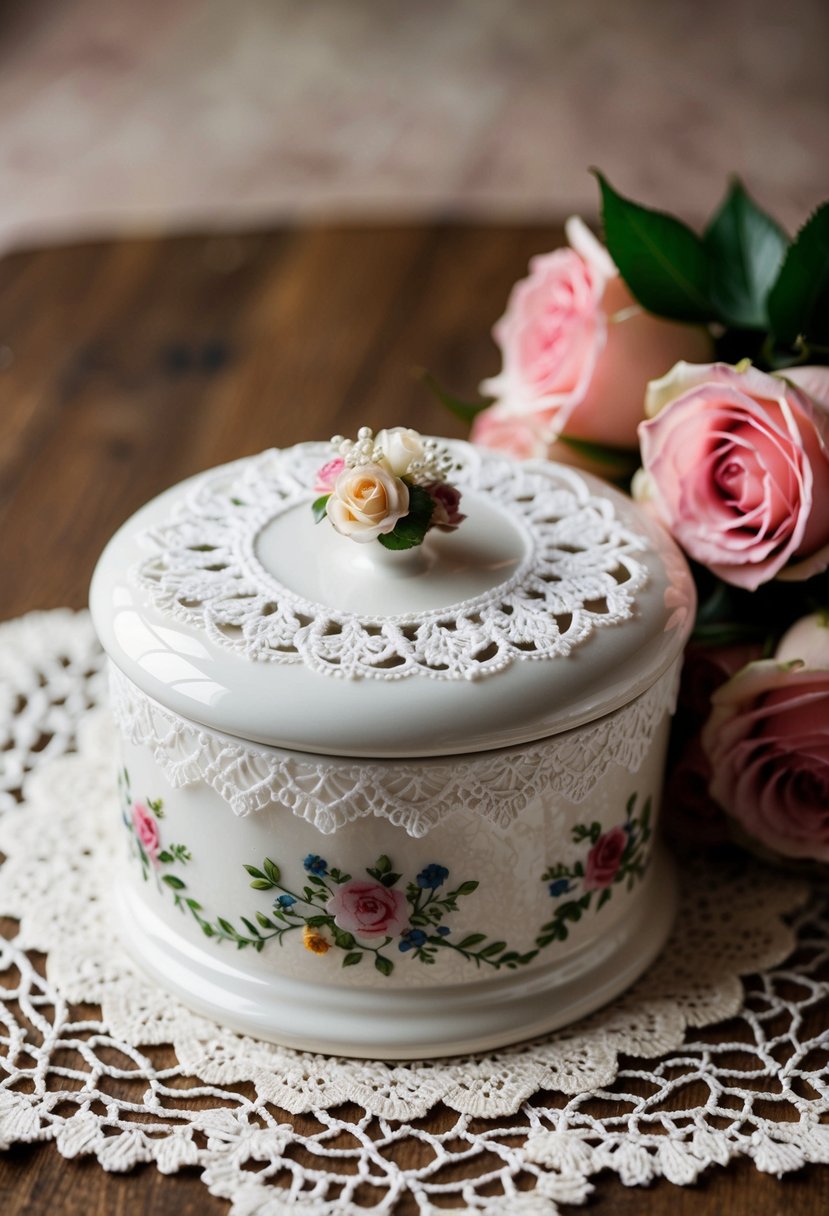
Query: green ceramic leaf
{"type": "Point", "coordinates": [318, 507]}
{"type": "Point", "coordinates": [410, 530]}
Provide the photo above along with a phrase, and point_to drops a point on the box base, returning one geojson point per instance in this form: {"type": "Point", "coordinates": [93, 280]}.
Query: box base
{"type": "Point", "coordinates": [399, 1024]}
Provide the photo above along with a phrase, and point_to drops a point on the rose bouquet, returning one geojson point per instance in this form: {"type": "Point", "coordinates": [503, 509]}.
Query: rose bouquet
{"type": "Point", "coordinates": [697, 364]}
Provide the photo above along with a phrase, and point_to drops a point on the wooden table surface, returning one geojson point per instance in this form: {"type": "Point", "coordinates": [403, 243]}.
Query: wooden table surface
{"type": "Point", "coordinates": [128, 365]}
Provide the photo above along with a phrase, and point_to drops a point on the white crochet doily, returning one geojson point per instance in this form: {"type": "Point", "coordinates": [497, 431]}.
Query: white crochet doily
{"type": "Point", "coordinates": [60, 1069]}
{"type": "Point", "coordinates": [580, 573]}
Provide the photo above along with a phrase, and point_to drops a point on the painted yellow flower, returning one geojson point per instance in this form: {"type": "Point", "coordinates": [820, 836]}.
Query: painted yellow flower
{"type": "Point", "coordinates": [314, 941]}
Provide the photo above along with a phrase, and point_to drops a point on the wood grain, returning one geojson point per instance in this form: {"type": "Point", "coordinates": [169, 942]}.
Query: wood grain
{"type": "Point", "coordinates": [127, 366]}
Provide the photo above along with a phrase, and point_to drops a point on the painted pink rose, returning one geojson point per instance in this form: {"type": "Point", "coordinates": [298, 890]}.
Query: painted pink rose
{"type": "Point", "coordinates": [767, 741]}
{"type": "Point", "coordinates": [328, 474]}
{"type": "Point", "coordinates": [368, 909]}
{"type": "Point", "coordinates": [578, 351]}
{"type": "Point", "coordinates": [146, 829]}
{"type": "Point", "coordinates": [604, 859]}
{"type": "Point", "coordinates": [736, 463]}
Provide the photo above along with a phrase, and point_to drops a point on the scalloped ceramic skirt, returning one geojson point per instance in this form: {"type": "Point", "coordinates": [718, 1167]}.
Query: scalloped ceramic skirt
{"type": "Point", "coordinates": [394, 909]}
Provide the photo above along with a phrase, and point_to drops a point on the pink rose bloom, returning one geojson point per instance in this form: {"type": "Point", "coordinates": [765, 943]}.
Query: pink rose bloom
{"type": "Point", "coordinates": [736, 464]}
{"type": "Point", "coordinates": [604, 859]}
{"type": "Point", "coordinates": [369, 909]}
{"type": "Point", "coordinates": [524, 437]}
{"type": "Point", "coordinates": [578, 350]}
{"type": "Point", "coordinates": [767, 741]}
{"type": "Point", "coordinates": [327, 475]}
{"type": "Point", "coordinates": [146, 829]}
{"type": "Point", "coordinates": [447, 499]}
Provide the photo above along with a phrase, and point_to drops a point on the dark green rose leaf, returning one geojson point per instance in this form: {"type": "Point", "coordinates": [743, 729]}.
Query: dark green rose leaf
{"type": "Point", "coordinates": [384, 965]}
{"type": "Point", "coordinates": [663, 262]}
{"type": "Point", "coordinates": [173, 882]}
{"type": "Point", "coordinates": [799, 300]}
{"type": "Point", "coordinates": [746, 248]}
{"type": "Point", "coordinates": [410, 530]}
{"type": "Point", "coordinates": [467, 411]}
{"type": "Point", "coordinates": [351, 960]}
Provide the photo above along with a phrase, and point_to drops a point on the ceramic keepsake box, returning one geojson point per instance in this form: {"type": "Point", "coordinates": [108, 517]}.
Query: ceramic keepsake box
{"type": "Point", "coordinates": [392, 802]}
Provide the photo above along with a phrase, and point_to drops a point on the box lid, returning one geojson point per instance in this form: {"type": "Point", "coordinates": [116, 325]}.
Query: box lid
{"type": "Point", "coordinates": [556, 601]}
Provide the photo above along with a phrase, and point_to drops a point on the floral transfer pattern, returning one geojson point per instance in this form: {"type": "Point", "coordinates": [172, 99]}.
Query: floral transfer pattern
{"type": "Point", "coordinates": [617, 856]}
{"type": "Point", "coordinates": [380, 918]}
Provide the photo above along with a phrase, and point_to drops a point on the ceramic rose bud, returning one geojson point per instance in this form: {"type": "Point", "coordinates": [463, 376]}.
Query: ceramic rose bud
{"type": "Point", "coordinates": [736, 464]}
{"type": "Point", "coordinates": [577, 352]}
{"type": "Point", "coordinates": [767, 741]}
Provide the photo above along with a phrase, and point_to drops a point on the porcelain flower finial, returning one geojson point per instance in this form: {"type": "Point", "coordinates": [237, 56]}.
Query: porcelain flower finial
{"type": "Point", "coordinates": [392, 487]}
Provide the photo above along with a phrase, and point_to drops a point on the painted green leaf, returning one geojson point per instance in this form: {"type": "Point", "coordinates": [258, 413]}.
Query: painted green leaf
{"type": "Point", "coordinates": [382, 865]}
{"type": "Point", "coordinates": [746, 248]}
{"type": "Point", "coordinates": [351, 960]}
{"type": "Point", "coordinates": [663, 262]}
{"type": "Point", "coordinates": [474, 939]}
{"type": "Point", "coordinates": [254, 873]}
{"type": "Point", "coordinates": [492, 948]}
{"type": "Point", "coordinates": [798, 303]}
{"type": "Point", "coordinates": [388, 880]}
{"type": "Point", "coordinates": [344, 940]}
{"type": "Point", "coordinates": [271, 870]}
{"type": "Point", "coordinates": [466, 888]}
{"type": "Point", "coordinates": [384, 965]}
{"type": "Point", "coordinates": [174, 882]}
{"type": "Point", "coordinates": [262, 884]}
{"type": "Point", "coordinates": [265, 921]}
{"type": "Point", "coordinates": [226, 927]}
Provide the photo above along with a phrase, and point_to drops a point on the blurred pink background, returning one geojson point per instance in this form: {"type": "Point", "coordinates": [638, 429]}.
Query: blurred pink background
{"type": "Point", "coordinates": [173, 114]}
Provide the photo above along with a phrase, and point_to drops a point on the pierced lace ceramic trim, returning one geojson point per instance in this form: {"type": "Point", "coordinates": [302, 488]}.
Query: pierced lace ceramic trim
{"type": "Point", "coordinates": [581, 574]}
{"type": "Point", "coordinates": [416, 794]}
{"type": "Point", "coordinates": [768, 1102]}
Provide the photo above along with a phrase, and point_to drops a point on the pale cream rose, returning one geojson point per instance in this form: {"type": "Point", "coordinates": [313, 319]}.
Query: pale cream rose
{"type": "Point", "coordinates": [367, 502]}
{"type": "Point", "coordinates": [400, 445]}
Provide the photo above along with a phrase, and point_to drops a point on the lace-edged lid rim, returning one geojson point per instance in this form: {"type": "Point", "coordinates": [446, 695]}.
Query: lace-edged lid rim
{"type": "Point", "coordinates": [557, 602]}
